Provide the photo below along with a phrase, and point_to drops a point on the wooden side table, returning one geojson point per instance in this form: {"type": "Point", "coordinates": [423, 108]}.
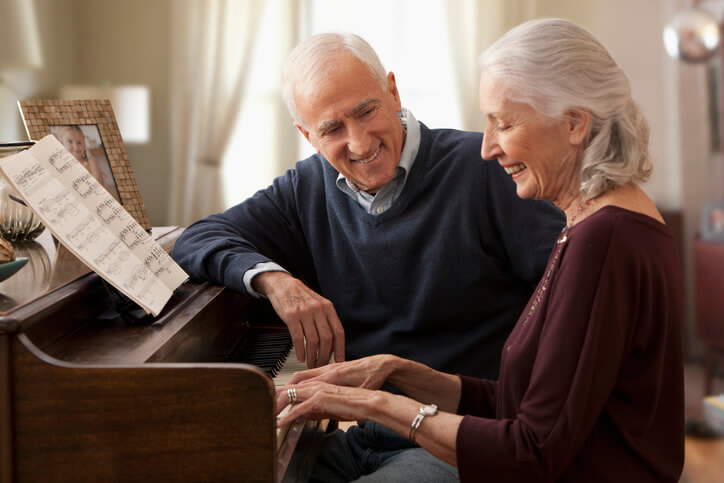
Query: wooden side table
{"type": "Point", "coordinates": [709, 292]}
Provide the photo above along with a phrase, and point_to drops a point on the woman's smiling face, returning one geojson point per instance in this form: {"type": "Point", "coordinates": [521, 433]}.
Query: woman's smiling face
{"type": "Point", "coordinates": [539, 152]}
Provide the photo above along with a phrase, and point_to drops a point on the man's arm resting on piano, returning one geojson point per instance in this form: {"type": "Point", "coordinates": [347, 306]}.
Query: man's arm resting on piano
{"type": "Point", "coordinates": [311, 318]}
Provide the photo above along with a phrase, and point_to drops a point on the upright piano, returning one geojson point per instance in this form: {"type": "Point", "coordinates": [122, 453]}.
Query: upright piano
{"type": "Point", "coordinates": [90, 392]}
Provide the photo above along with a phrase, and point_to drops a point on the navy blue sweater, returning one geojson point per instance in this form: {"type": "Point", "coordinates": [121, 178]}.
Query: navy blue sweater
{"type": "Point", "coordinates": [439, 278]}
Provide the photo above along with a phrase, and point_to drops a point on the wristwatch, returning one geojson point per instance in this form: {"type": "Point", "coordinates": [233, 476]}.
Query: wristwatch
{"type": "Point", "coordinates": [425, 410]}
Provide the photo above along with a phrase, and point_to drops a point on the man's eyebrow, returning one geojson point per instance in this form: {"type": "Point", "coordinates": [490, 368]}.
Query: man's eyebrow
{"type": "Point", "coordinates": [326, 125]}
{"type": "Point", "coordinates": [361, 107]}
{"type": "Point", "coordinates": [364, 105]}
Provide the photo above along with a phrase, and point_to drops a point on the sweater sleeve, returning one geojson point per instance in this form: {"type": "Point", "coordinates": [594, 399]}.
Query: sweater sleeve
{"type": "Point", "coordinates": [264, 228]}
{"type": "Point", "coordinates": [477, 397]}
{"type": "Point", "coordinates": [582, 349]}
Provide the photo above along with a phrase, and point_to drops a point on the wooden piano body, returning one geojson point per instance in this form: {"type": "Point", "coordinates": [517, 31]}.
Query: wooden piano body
{"type": "Point", "coordinates": [88, 398]}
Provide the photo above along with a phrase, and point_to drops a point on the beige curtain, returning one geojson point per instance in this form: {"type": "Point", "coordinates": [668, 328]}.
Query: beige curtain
{"type": "Point", "coordinates": [264, 141]}
{"type": "Point", "coordinates": [212, 41]}
{"type": "Point", "coordinates": [474, 25]}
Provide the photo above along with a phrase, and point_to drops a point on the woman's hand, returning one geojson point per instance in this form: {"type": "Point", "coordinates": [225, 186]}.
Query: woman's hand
{"type": "Point", "coordinates": [368, 373]}
{"type": "Point", "coordinates": [320, 400]}
{"type": "Point", "coordinates": [316, 399]}
{"type": "Point", "coordinates": [411, 378]}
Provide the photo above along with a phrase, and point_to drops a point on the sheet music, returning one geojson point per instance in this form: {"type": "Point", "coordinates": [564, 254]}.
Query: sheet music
{"type": "Point", "coordinates": [83, 216]}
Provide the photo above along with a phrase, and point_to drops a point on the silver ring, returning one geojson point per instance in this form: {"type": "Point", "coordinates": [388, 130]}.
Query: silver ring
{"type": "Point", "coordinates": [292, 395]}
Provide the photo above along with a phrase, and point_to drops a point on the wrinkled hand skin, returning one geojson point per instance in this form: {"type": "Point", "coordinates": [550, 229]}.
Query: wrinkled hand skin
{"type": "Point", "coordinates": [311, 319]}
{"type": "Point", "coordinates": [321, 400]}
{"type": "Point", "coordinates": [340, 390]}
{"type": "Point", "coordinates": [368, 373]}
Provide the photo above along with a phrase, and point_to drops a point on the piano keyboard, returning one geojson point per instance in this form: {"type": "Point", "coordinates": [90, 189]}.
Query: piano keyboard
{"type": "Point", "coordinates": [289, 367]}
{"type": "Point", "coordinates": [272, 352]}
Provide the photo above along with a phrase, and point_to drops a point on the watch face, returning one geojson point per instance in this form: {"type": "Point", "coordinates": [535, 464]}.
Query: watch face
{"type": "Point", "coordinates": [429, 409]}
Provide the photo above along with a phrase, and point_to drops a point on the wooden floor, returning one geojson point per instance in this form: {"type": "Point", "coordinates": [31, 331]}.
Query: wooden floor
{"type": "Point", "coordinates": [704, 461]}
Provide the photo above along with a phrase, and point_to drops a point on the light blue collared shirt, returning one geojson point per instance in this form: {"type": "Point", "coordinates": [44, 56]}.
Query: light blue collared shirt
{"type": "Point", "coordinates": [373, 204]}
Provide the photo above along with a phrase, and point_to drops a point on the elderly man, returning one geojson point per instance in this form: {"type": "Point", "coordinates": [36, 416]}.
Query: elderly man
{"type": "Point", "coordinates": [393, 238]}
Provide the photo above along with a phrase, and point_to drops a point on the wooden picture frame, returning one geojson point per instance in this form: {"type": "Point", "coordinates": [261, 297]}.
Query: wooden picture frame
{"type": "Point", "coordinates": [712, 221]}
{"type": "Point", "coordinates": [104, 155]}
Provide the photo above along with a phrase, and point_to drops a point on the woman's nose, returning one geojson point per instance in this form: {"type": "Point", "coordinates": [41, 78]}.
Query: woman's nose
{"type": "Point", "coordinates": [490, 148]}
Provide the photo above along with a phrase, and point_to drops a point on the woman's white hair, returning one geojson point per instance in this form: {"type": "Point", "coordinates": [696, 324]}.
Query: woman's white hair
{"type": "Point", "coordinates": [312, 61]}
{"type": "Point", "coordinates": [557, 67]}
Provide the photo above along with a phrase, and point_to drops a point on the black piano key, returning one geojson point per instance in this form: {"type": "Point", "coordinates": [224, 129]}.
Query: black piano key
{"type": "Point", "coordinates": [267, 350]}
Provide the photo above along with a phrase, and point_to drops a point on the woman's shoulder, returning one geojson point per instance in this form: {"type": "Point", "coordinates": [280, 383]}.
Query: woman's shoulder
{"type": "Point", "coordinates": [613, 217]}
{"type": "Point", "coordinates": [623, 229]}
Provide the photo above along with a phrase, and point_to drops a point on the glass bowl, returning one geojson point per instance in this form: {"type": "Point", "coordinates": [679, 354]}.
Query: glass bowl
{"type": "Point", "coordinates": [18, 223]}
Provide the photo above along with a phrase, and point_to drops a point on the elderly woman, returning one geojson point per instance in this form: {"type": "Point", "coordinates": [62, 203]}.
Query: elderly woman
{"type": "Point", "coordinates": [591, 379]}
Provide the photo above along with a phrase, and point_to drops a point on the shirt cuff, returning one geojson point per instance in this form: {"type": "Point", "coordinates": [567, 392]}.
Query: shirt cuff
{"type": "Point", "coordinates": [256, 270]}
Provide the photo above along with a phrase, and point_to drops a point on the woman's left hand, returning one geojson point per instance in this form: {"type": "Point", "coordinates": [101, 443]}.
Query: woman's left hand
{"type": "Point", "coordinates": [368, 372]}
{"type": "Point", "coordinates": [321, 400]}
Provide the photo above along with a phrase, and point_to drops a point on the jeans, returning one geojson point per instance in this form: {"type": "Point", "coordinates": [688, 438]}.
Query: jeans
{"type": "Point", "coordinates": [370, 452]}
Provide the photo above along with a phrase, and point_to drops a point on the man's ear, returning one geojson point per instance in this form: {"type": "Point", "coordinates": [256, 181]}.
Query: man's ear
{"type": "Point", "coordinates": [392, 89]}
{"type": "Point", "coordinates": [579, 123]}
{"type": "Point", "coordinates": [306, 135]}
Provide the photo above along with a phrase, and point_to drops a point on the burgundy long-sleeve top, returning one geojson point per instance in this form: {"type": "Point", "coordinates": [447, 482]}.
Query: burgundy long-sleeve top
{"type": "Point", "coordinates": [591, 381]}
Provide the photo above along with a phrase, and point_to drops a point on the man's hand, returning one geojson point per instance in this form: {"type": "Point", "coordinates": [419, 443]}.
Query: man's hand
{"type": "Point", "coordinates": [308, 315]}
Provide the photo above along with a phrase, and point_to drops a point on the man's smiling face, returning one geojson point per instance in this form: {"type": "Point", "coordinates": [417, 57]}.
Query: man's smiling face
{"type": "Point", "coordinates": [352, 121]}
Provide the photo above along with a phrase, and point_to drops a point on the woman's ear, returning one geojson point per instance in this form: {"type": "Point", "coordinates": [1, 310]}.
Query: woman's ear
{"type": "Point", "coordinates": [579, 124]}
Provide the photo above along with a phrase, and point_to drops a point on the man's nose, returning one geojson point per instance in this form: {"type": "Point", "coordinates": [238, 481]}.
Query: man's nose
{"type": "Point", "coordinates": [358, 140]}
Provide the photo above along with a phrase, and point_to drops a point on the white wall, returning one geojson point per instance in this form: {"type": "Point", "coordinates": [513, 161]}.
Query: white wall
{"type": "Point", "coordinates": [104, 41]}
{"type": "Point", "coordinates": [56, 28]}
{"type": "Point", "coordinates": [674, 98]}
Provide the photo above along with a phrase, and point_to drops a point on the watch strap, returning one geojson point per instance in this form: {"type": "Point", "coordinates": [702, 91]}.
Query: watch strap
{"type": "Point", "coordinates": [418, 420]}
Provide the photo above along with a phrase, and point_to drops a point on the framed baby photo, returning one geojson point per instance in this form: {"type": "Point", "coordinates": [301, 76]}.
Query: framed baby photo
{"type": "Point", "coordinates": [712, 221]}
{"type": "Point", "coordinates": [88, 129]}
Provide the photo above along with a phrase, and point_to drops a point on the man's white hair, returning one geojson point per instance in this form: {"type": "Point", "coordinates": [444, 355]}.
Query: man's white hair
{"type": "Point", "coordinates": [314, 59]}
